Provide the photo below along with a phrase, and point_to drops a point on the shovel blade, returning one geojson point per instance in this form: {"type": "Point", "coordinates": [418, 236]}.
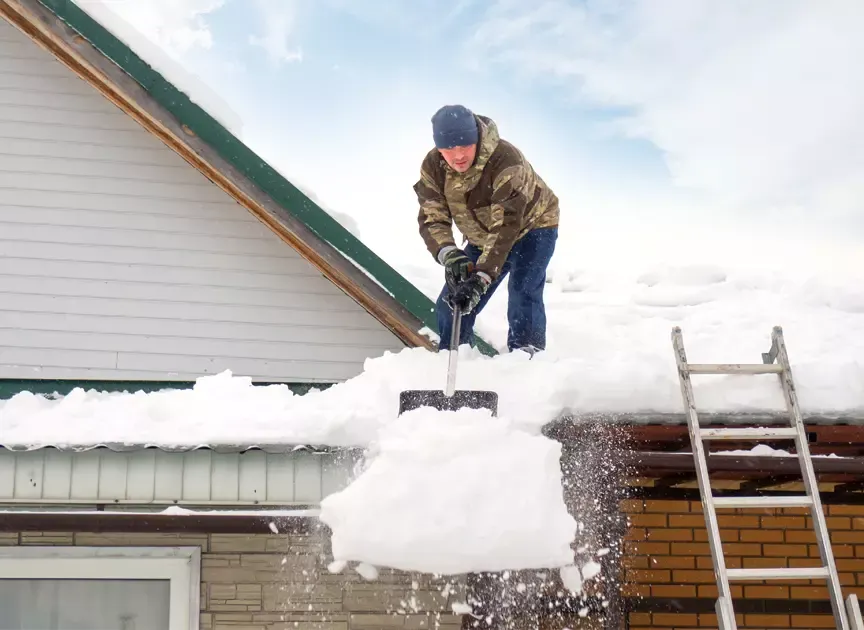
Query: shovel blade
{"type": "Point", "coordinates": [437, 399]}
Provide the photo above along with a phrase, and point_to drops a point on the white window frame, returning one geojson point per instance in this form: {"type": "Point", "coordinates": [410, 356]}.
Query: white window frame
{"type": "Point", "coordinates": [181, 566]}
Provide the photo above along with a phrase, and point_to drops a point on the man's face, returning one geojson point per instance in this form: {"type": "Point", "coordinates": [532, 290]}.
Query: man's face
{"type": "Point", "coordinates": [460, 159]}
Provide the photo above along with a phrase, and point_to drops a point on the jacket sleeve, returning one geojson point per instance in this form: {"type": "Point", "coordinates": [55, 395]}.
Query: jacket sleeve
{"type": "Point", "coordinates": [434, 219]}
{"type": "Point", "coordinates": [510, 201]}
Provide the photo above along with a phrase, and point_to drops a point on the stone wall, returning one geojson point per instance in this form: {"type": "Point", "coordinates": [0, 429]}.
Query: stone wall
{"type": "Point", "coordinates": [282, 582]}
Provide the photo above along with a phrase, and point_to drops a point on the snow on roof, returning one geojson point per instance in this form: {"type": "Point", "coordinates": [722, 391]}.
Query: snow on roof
{"type": "Point", "coordinates": [609, 352]}
{"type": "Point", "coordinates": [461, 491]}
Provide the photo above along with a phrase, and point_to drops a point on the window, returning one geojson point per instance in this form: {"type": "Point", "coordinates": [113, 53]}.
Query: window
{"type": "Point", "coordinates": [99, 588]}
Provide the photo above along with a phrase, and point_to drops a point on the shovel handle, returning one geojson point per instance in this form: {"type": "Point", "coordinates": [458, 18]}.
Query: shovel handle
{"type": "Point", "coordinates": [450, 389]}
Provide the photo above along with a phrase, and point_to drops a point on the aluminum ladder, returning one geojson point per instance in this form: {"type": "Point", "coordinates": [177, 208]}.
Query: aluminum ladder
{"type": "Point", "coordinates": [848, 618]}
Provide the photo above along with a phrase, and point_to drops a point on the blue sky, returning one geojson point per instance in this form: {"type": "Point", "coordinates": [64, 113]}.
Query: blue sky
{"type": "Point", "coordinates": [671, 129]}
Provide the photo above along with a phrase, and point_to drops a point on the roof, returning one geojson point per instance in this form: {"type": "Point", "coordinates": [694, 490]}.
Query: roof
{"type": "Point", "coordinates": [131, 83]}
{"type": "Point", "coordinates": [636, 431]}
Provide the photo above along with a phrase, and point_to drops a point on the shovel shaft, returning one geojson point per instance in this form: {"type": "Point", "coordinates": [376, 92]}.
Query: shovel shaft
{"type": "Point", "coordinates": [454, 352]}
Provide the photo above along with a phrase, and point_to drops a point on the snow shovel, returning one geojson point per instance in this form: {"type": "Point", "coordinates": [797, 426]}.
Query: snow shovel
{"type": "Point", "coordinates": [450, 399]}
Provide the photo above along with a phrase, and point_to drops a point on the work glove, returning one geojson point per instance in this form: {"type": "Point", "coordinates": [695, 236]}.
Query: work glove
{"type": "Point", "coordinates": [457, 267]}
{"type": "Point", "coordinates": [468, 294]}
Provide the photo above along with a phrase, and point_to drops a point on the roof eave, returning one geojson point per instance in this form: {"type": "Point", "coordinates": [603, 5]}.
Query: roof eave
{"type": "Point", "coordinates": [706, 417]}
{"type": "Point", "coordinates": [569, 429]}
{"type": "Point", "coordinates": [221, 448]}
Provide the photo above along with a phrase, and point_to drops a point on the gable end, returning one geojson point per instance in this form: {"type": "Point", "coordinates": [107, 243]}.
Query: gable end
{"type": "Point", "coordinates": [81, 44]}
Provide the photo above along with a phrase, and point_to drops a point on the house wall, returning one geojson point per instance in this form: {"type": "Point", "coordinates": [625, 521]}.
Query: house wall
{"type": "Point", "coordinates": [668, 561]}
{"type": "Point", "coordinates": [281, 582]}
{"type": "Point", "coordinates": [118, 260]}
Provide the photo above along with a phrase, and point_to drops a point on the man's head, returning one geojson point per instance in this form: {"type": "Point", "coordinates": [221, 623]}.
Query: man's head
{"type": "Point", "coordinates": [454, 129]}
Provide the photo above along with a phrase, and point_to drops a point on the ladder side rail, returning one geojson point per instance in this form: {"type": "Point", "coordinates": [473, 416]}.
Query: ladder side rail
{"type": "Point", "coordinates": [725, 614]}
{"type": "Point", "coordinates": [810, 482]}
{"type": "Point", "coordinates": [853, 609]}
{"type": "Point", "coordinates": [724, 601]}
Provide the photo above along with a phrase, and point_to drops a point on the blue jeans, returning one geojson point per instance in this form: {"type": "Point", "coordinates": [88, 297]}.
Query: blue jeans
{"type": "Point", "coordinates": [526, 314]}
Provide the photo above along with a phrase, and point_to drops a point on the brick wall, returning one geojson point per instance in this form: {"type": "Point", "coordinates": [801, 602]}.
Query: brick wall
{"type": "Point", "coordinates": [667, 560]}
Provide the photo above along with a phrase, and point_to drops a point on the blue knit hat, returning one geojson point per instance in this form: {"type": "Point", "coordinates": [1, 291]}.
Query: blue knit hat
{"type": "Point", "coordinates": [454, 126]}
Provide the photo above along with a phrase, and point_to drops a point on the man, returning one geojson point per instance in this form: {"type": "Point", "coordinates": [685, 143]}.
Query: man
{"type": "Point", "coordinates": [507, 214]}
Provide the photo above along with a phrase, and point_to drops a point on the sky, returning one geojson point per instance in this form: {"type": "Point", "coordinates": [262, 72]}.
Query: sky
{"type": "Point", "coordinates": [673, 131]}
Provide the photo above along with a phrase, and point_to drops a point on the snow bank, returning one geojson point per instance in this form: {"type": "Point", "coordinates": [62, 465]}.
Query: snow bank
{"type": "Point", "coordinates": [453, 492]}
{"type": "Point", "coordinates": [609, 352]}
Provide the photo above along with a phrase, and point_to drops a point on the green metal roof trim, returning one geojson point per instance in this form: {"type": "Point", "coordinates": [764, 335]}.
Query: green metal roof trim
{"type": "Point", "coordinates": [247, 162]}
{"type": "Point", "coordinates": [9, 387]}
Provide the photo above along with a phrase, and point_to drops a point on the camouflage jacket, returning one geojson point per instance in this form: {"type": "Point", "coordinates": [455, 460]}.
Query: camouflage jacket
{"type": "Point", "coordinates": [493, 204]}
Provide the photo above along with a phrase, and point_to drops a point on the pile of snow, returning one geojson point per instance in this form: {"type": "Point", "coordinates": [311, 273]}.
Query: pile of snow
{"type": "Point", "coordinates": [453, 492]}
{"type": "Point", "coordinates": [609, 352]}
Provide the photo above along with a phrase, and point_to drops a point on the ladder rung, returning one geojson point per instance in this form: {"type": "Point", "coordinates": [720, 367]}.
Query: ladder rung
{"type": "Point", "coordinates": [778, 573]}
{"type": "Point", "coordinates": [748, 433]}
{"type": "Point", "coordinates": [763, 502]}
{"type": "Point", "coordinates": [735, 368]}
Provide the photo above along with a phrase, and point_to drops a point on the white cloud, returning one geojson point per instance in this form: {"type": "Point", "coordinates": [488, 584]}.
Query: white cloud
{"type": "Point", "coordinates": [756, 104]}
{"type": "Point", "coordinates": [278, 18]}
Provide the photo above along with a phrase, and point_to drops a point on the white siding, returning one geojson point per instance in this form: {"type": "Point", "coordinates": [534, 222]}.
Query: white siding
{"type": "Point", "coordinates": [118, 260]}
{"type": "Point", "coordinates": [155, 477]}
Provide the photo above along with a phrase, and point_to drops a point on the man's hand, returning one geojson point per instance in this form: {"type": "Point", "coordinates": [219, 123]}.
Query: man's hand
{"type": "Point", "coordinates": [457, 267]}
{"type": "Point", "coordinates": [468, 294]}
